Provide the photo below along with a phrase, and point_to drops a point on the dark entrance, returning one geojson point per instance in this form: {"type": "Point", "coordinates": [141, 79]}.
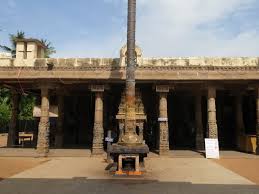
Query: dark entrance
{"type": "Point", "coordinates": [249, 113]}
{"type": "Point", "coordinates": [181, 115]}
{"type": "Point", "coordinates": [151, 130]}
{"type": "Point", "coordinates": [226, 120]}
{"type": "Point", "coordinates": [78, 121]}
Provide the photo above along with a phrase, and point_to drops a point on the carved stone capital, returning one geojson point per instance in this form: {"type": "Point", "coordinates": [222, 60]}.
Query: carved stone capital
{"type": "Point", "coordinates": [162, 88]}
{"type": "Point", "coordinates": [97, 88]}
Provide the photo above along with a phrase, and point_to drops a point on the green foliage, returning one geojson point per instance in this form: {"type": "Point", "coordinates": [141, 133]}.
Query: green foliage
{"type": "Point", "coordinates": [13, 37]}
{"type": "Point", "coordinates": [49, 48]}
{"type": "Point", "coordinates": [5, 107]}
{"type": "Point", "coordinates": [26, 107]}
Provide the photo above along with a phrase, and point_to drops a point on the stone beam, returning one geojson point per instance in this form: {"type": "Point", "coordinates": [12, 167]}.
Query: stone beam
{"type": "Point", "coordinates": [147, 73]}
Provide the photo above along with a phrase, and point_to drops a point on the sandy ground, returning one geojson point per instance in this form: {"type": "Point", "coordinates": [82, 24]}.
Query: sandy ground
{"type": "Point", "coordinates": [247, 168]}
{"type": "Point", "coordinates": [12, 166]}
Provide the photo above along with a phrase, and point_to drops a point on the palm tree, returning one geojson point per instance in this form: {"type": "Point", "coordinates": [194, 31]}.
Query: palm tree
{"type": "Point", "coordinates": [49, 48]}
{"type": "Point", "coordinates": [13, 38]}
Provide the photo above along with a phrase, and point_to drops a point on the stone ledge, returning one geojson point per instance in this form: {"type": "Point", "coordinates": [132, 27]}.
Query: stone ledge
{"type": "Point", "coordinates": [119, 149]}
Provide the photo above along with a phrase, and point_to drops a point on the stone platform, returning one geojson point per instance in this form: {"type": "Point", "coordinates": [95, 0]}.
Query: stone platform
{"type": "Point", "coordinates": [120, 149]}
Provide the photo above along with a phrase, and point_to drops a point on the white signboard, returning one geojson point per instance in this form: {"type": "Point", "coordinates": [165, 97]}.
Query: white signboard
{"type": "Point", "coordinates": [212, 148]}
{"type": "Point", "coordinates": [108, 139]}
{"type": "Point", "coordinates": [162, 119]}
{"type": "Point", "coordinates": [53, 111]}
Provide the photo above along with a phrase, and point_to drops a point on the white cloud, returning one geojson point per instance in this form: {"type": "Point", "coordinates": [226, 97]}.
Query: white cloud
{"type": "Point", "coordinates": [173, 27]}
{"type": "Point", "coordinates": [168, 28]}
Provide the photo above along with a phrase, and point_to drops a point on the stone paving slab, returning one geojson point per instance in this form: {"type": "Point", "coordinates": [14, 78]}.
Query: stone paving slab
{"type": "Point", "coordinates": [192, 170]}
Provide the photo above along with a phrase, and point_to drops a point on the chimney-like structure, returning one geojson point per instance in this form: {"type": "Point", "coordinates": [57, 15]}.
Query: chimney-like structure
{"type": "Point", "coordinates": [29, 49]}
{"type": "Point", "coordinates": [130, 136]}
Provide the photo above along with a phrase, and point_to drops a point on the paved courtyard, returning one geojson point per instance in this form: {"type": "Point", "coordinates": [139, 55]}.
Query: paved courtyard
{"type": "Point", "coordinates": [164, 175]}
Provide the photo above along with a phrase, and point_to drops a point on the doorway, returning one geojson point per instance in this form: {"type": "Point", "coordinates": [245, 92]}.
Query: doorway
{"type": "Point", "coordinates": [181, 115]}
{"type": "Point", "coordinates": [78, 121]}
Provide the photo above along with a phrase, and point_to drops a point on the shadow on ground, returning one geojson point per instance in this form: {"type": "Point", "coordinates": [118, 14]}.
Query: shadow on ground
{"type": "Point", "coordinates": [83, 185]}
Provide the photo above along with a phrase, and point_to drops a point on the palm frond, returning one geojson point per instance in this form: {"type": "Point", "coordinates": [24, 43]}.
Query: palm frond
{"type": "Point", "coordinates": [5, 48]}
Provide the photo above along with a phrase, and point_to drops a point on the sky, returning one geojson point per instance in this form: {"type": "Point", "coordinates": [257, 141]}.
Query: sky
{"type": "Point", "coordinates": [165, 28]}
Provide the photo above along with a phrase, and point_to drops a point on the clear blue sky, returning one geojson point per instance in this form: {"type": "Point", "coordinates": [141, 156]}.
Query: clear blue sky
{"type": "Point", "coordinates": [97, 28]}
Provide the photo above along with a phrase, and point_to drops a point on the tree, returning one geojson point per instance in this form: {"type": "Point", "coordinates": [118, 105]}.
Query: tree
{"type": "Point", "coordinates": [26, 107]}
{"type": "Point", "coordinates": [49, 48]}
{"type": "Point", "coordinates": [13, 38]}
{"type": "Point", "coordinates": [5, 108]}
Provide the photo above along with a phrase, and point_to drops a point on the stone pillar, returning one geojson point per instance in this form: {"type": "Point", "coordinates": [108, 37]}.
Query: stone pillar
{"type": "Point", "coordinates": [13, 134]}
{"type": "Point", "coordinates": [98, 132]}
{"type": "Point", "coordinates": [60, 130]}
{"type": "Point", "coordinates": [212, 118]}
{"type": "Point", "coordinates": [163, 120]}
{"type": "Point", "coordinates": [257, 121]}
{"type": "Point", "coordinates": [240, 127]}
{"type": "Point", "coordinates": [43, 132]}
{"type": "Point", "coordinates": [141, 130]}
{"type": "Point", "coordinates": [198, 122]}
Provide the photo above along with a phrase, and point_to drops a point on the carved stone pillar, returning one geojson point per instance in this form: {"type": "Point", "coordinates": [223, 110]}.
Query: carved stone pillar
{"type": "Point", "coordinates": [43, 132]}
{"type": "Point", "coordinates": [257, 122]}
{"type": "Point", "coordinates": [212, 118]}
{"type": "Point", "coordinates": [239, 118]}
{"type": "Point", "coordinates": [60, 130]}
{"type": "Point", "coordinates": [163, 120]}
{"type": "Point", "coordinates": [198, 122]}
{"type": "Point", "coordinates": [13, 134]}
{"type": "Point", "coordinates": [98, 132]}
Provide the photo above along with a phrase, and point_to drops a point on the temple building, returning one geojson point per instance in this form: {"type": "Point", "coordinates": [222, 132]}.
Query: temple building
{"type": "Point", "coordinates": [179, 101]}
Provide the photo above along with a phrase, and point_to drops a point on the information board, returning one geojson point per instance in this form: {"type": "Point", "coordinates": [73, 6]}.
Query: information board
{"type": "Point", "coordinates": [108, 139]}
{"type": "Point", "coordinates": [212, 148]}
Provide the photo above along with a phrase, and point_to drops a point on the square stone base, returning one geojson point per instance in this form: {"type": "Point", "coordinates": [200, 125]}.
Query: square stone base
{"type": "Point", "coordinates": [137, 153]}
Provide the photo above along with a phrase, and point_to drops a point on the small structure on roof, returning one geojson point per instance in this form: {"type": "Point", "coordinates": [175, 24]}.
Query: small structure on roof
{"type": "Point", "coordinates": [29, 48]}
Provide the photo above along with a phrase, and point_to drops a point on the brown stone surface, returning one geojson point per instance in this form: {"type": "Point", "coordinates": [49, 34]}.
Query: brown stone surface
{"type": "Point", "coordinates": [247, 168]}
{"type": "Point", "coordinates": [12, 166]}
{"type": "Point", "coordinates": [3, 140]}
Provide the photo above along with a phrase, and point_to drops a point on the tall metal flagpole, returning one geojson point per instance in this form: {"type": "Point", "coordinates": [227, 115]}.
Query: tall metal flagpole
{"type": "Point", "coordinates": [130, 137]}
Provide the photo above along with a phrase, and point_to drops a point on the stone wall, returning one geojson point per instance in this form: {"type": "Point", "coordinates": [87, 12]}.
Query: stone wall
{"type": "Point", "coordinates": [117, 62]}
{"type": "Point", "coordinates": [202, 61]}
